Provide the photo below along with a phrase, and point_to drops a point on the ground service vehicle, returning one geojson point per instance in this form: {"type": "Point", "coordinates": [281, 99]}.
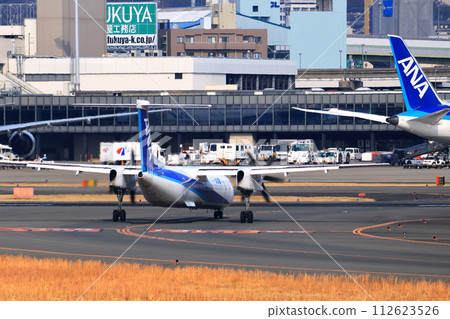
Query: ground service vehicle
{"type": "Point", "coordinates": [268, 152]}
{"type": "Point", "coordinates": [354, 153]}
{"type": "Point", "coordinates": [336, 156]}
{"type": "Point", "coordinates": [302, 152]}
{"type": "Point", "coordinates": [320, 157]}
{"type": "Point", "coordinates": [434, 162]}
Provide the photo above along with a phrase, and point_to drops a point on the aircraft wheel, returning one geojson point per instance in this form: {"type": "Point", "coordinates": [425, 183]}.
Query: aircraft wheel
{"type": "Point", "coordinates": [250, 217]}
{"type": "Point", "coordinates": [123, 215]}
{"type": "Point", "coordinates": [243, 217]}
{"type": "Point", "coordinates": [115, 215]}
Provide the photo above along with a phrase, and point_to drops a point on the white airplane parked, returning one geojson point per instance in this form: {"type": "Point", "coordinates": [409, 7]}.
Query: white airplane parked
{"type": "Point", "coordinates": [192, 187]}
{"type": "Point", "coordinates": [426, 114]}
{"type": "Point", "coordinates": [23, 142]}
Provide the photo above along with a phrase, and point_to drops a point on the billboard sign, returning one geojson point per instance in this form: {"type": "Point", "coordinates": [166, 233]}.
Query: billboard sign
{"type": "Point", "coordinates": [131, 25]}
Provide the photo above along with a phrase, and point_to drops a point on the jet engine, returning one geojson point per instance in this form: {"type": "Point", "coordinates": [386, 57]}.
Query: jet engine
{"type": "Point", "coordinates": [22, 143]}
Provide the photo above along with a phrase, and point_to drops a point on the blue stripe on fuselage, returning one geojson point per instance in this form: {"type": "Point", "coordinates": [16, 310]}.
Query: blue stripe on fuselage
{"type": "Point", "coordinates": [206, 194]}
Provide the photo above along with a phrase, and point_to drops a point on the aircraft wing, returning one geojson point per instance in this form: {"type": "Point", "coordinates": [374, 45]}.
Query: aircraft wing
{"type": "Point", "coordinates": [80, 168]}
{"type": "Point", "coordinates": [88, 119]}
{"type": "Point", "coordinates": [275, 170]}
{"type": "Point", "coordinates": [337, 112]}
{"type": "Point", "coordinates": [261, 170]}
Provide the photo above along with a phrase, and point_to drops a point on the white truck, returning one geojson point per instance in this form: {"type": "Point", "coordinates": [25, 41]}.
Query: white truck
{"type": "Point", "coordinates": [354, 152]}
{"type": "Point", "coordinates": [123, 152]}
{"type": "Point", "coordinates": [268, 152]}
{"type": "Point", "coordinates": [226, 153]}
{"type": "Point", "coordinates": [6, 153]}
{"type": "Point", "coordinates": [302, 152]}
{"type": "Point", "coordinates": [336, 156]}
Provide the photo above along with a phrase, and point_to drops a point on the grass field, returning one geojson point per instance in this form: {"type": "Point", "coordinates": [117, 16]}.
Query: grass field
{"type": "Point", "coordinates": [30, 279]}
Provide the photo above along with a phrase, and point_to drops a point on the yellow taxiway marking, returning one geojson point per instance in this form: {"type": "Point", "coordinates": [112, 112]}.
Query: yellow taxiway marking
{"type": "Point", "coordinates": [139, 198]}
{"type": "Point", "coordinates": [360, 231]}
{"type": "Point", "coordinates": [349, 184]}
{"type": "Point", "coordinates": [50, 184]}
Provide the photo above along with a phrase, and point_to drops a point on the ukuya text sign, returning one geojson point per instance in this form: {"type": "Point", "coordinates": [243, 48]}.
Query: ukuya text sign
{"type": "Point", "coordinates": [131, 25]}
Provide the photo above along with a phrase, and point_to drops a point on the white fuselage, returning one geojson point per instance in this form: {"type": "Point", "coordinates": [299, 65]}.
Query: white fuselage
{"type": "Point", "coordinates": [439, 132]}
{"type": "Point", "coordinates": [179, 187]}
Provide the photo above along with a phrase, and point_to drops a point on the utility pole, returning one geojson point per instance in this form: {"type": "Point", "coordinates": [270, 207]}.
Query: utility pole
{"type": "Point", "coordinates": [77, 51]}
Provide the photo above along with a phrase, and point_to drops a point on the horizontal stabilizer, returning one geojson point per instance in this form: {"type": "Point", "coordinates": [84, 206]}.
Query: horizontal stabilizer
{"type": "Point", "coordinates": [432, 118]}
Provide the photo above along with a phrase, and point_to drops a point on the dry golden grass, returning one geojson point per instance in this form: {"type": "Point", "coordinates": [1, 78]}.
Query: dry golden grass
{"type": "Point", "coordinates": [26, 278]}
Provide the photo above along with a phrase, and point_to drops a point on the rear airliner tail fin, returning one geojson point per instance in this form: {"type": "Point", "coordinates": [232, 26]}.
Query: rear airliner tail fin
{"type": "Point", "coordinates": [148, 161]}
{"type": "Point", "coordinates": [418, 92]}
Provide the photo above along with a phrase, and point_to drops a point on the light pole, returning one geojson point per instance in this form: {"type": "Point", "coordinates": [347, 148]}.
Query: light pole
{"type": "Point", "coordinates": [366, 60]}
{"type": "Point", "coordinates": [300, 60]}
{"type": "Point", "coordinates": [77, 50]}
{"type": "Point", "coordinates": [439, 21]}
{"type": "Point", "coordinates": [340, 59]}
{"type": "Point", "coordinates": [362, 55]}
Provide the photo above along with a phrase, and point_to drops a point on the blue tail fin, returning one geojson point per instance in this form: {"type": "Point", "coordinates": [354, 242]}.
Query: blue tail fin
{"type": "Point", "coordinates": [418, 92]}
{"type": "Point", "coordinates": [147, 160]}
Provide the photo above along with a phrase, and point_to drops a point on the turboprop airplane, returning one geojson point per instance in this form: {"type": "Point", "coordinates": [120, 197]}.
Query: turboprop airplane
{"type": "Point", "coordinates": [426, 113]}
{"type": "Point", "coordinates": [192, 187]}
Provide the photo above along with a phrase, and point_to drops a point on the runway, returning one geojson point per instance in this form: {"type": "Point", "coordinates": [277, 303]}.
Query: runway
{"type": "Point", "coordinates": [403, 232]}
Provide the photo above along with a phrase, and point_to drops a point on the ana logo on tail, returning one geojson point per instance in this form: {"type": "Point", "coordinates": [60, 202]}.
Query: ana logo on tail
{"type": "Point", "coordinates": [410, 68]}
{"type": "Point", "coordinates": [148, 143]}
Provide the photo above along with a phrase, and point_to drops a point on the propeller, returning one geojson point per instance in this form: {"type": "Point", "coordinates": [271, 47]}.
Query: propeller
{"type": "Point", "coordinates": [133, 197]}
{"type": "Point", "coordinates": [274, 179]}
{"type": "Point", "coordinates": [265, 194]}
{"type": "Point", "coordinates": [269, 178]}
{"type": "Point", "coordinates": [133, 191]}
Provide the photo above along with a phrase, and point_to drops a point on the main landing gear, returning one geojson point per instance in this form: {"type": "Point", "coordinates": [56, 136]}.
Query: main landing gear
{"type": "Point", "coordinates": [218, 214]}
{"type": "Point", "coordinates": [247, 215]}
{"type": "Point", "coordinates": [119, 214]}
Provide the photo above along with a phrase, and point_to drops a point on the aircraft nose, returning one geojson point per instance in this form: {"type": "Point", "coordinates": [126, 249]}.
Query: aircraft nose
{"type": "Point", "coordinates": [393, 120]}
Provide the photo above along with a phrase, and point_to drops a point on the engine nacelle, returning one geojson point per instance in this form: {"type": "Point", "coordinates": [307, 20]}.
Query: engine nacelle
{"type": "Point", "coordinates": [119, 180]}
{"type": "Point", "coordinates": [22, 143]}
{"type": "Point", "coordinates": [145, 179]}
{"type": "Point", "coordinates": [246, 182]}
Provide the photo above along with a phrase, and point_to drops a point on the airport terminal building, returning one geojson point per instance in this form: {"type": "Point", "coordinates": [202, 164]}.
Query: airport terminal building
{"type": "Point", "coordinates": [256, 114]}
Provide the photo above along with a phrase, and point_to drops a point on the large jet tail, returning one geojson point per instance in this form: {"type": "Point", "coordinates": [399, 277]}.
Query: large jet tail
{"type": "Point", "coordinates": [418, 93]}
